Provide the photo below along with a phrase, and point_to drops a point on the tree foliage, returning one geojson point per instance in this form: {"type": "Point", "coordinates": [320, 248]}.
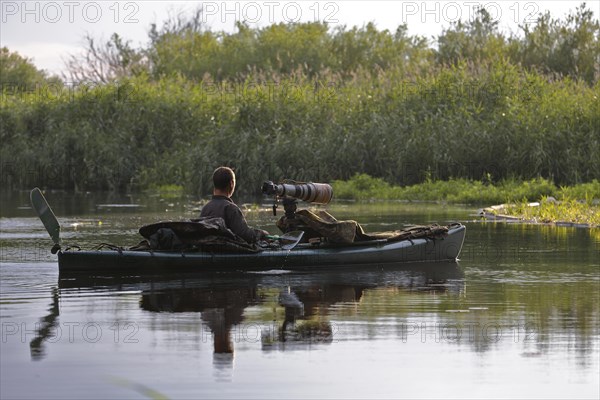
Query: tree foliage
{"type": "Point", "coordinates": [478, 40]}
{"type": "Point", "coordinates": [567, 48]}
{"type": "Point", "coordinates": [308, 102]}
{"type": "Point", "coordinates": [184, 46]}
{"type": "Point", "coordinates": [105, 62]}
{"type": "Point", "coordinates": [19, 73]}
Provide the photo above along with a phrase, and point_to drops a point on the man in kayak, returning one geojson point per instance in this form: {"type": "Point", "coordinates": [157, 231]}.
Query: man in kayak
{"type": "Point", "coordinates": [222, 206]}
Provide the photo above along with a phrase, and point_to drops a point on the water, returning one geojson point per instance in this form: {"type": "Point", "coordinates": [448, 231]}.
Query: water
{"type": "Point", "coordinates": [517, 317]}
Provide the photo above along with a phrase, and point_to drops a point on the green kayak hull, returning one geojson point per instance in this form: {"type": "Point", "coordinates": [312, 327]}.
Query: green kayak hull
{"type": "Point", "coordinates": [302, 257]}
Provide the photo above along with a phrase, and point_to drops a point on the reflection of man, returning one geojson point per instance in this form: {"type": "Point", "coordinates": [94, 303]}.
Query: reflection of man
{"type": "Point", "coordinates": [222, 206]}
{"type": "Point", "coordinates": [220, 326]}
{"type": "Point", "coordinates": [221, 309]}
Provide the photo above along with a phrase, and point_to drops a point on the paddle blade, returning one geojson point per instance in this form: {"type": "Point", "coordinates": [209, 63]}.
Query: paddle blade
{"type": "Point", "coordinates": [291, 239]}
{"type": "Point", "coordinates": [43, 210]}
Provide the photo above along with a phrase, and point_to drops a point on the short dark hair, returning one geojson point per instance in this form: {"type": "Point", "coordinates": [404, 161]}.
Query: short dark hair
{"type": "Point", "coordinates": [222, 177]}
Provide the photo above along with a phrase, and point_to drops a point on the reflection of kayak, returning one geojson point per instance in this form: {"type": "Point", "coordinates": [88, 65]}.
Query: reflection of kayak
{"type": "Point", "coordinates": [411, 276]}
{"type": "Point", "coordinates": [429, 276]}
{"type": "Point", "coordinates": [302, 257]}
{"type": "Point", "coordinates": [308, 299]}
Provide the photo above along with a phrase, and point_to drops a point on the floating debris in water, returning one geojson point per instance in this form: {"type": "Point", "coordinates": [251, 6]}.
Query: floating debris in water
{"type": "Point", "coordinates": [119, 206]}
{"type": "Point", "coordinates": [271, 272]}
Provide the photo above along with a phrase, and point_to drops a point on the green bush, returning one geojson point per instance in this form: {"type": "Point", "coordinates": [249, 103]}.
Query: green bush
{"type": "Point", "coordinates": [364, 187]}
{"type": "Point", "coordinates": [304, 102]}
{"type": "Point", "coordinates": [173, 131]}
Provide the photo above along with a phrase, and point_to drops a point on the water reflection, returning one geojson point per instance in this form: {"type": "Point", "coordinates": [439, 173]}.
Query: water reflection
{"type": "Point", "coordinates": [221, 308]}
{"type": "Point", "coordinates": [222, 299]}
{"type": "Point", "coordinates": [46, 328]}
{"type": "Point", "coordinates": [527, 306]}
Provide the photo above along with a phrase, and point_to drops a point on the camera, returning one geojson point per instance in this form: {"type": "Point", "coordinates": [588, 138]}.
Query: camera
{"type": "Point", "coordinates": [318, 193]}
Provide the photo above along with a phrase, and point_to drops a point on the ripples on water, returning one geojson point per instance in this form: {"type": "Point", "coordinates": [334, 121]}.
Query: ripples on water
{"type": "Point", "coordinates": [519, 317]}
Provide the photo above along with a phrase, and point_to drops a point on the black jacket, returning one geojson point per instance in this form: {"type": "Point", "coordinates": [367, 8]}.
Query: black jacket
{"type": "Point", "coordinates": [224, 207]}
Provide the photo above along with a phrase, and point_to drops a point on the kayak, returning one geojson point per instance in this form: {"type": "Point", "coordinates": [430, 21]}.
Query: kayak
{"type": "Point", "coordinates": [445, 245]}
{"type": "Point", "coordinates": [303, 256]}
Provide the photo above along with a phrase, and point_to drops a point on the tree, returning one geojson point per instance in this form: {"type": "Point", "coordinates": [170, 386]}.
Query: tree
{"type": "Point", "coordinates": [19, 72]}
{"type": "Point", "coordinates": [476, 40]}
{"type": "Point", "coordinates": [105, 62]}
{"type": "Point", "coordinates": [181, 47]}
{"type": "Point", "coordinates": [568, 47]}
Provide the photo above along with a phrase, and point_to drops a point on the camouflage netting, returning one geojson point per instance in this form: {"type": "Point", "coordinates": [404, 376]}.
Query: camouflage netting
{"type": "Point", "coordinates": [322, 224]}
{"type": "Point", "coordinates": [206, 234]}
{"type": "Point", "coordinates": [211, 234]}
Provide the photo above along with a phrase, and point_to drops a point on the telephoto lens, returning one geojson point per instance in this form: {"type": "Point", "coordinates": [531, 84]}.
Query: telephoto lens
{"type": "Point", "coordinates": [318, 193]}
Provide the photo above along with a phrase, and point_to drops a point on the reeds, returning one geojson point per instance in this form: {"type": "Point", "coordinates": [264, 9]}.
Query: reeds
{"type": "Point", "coordinates": [485, 192]}
{"type": "Point", "coordinates": [348, 102]}
{"type": "Point", "coordinates": [501, 122]}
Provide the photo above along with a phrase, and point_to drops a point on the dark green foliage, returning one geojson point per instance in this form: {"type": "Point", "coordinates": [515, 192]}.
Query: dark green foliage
{"type": "Point", "coordinates": [364, 187]}
{"type": "Point", "coordinates": [476, 40]}
{"type": "Point", "coordinates": [19, 74]}
{"type": "Point", "coordinates": [303, 102]}
{"type": "Point", "coordinates": [460, 123]}
{"type": "Point", "coordinates": [309, 48]}
{"type": "Point", "coordinates": [568, 48]}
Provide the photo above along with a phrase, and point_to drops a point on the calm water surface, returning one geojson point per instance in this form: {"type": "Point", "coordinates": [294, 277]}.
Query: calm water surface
{"type": "Point", "coordinates": [517, 317]}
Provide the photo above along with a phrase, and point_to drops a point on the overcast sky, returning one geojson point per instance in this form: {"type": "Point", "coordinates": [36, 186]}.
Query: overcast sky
{"type": "Point", "coordinates": [47, 31]}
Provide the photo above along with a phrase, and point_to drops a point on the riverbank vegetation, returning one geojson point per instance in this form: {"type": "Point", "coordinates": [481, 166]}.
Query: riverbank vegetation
{"type": "Point", "coordinates": [364, 187]}
{"type": "Point", "coordinates": [475, 109]}
{"type": "Point", "coordinates": [537, 200]}
{"type": "Point", "coordinates": [566, 211]}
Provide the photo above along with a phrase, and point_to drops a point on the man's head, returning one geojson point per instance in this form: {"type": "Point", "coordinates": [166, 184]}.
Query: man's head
{"type": "Point", "coordinates": [224, 181]}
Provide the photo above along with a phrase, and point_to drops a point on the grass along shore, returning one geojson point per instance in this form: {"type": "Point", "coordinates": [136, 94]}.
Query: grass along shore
{"type": "Point", "coordinates": [578, 204]}
{"type": "Point", "coordinates": [548, 211]}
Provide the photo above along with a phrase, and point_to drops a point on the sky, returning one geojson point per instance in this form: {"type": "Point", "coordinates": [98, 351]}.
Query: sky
{"type": "Point", "coordinates": [47, 32]}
